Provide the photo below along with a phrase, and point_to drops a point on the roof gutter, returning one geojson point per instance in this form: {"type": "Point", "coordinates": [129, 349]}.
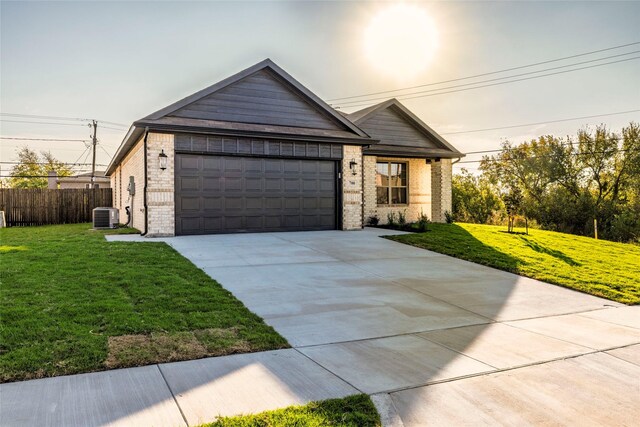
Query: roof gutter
{"type": "Point", "coordinates": [144, 191]}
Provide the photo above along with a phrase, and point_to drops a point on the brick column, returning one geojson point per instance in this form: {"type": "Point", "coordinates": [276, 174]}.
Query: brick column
{"type": "Point", "coordinates": [160, 186]}
{"type": "Point", "coordinates": [441, 173]}
{"type": "Point", "coordinates": [352, 188]}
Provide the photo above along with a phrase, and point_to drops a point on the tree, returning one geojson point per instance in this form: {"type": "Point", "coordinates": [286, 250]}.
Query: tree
{"type": "Point", "coordinates": [475, 199]}
{"type": "Point", "coordinates": [567, 183]}
{"type": "Point", "coordinates": [32, 169]}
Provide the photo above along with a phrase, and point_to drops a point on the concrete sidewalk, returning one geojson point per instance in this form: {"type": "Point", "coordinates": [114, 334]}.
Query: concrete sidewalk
{"type": "Point", "coordinates": [428, 336]}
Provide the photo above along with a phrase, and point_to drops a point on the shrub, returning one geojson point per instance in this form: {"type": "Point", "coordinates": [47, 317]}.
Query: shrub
{"type": "Point", "coordinates": [391, 219]}
{"type": "Point", "coordinates": [423, 222]}
{"type": "Point", "coordinates": [373, 220]}
{"type": "Point", "coordinates": [448, 216]}
{"type": "Point", "coordinates": [402, 218]}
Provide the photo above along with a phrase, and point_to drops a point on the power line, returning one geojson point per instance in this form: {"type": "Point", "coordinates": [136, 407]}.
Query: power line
{"type": "Point", "coordinates": [40, 176]}
{"type": "Point", "coordinates": [541, 123]}
{"type": "Point", "coordinates": [488, 73]}
{"type": "Point", "coordinates": [47, 163]}
{"type": "Point", "coordinates": [119, 130]}
{"type": "Point", "coordinates": [105, 151]}
{"type": "Point", "coordinates": [86, 147]}
{"type": "Point", "coordinates": [33, 116]}
{"type": "Point", "coordinates": [535, 157]}
{"type": "Point", "coordinates": [427, 93]}
{"type": "Point", "coordinates": [43, 139]}
{"type": "Point", "coordinates": [40, 123]}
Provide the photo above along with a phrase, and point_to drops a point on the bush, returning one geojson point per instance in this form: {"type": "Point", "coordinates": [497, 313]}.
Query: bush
{"type": "Point", "coordinates": [423, 222]}
{"type": "Point", "coordinates": [448, 216]}
{"type": "Point", "coordinates": [402, 218]}
{"type": "Point", "coordinates": [373, 220]}
{"type": "Point", "coordinates": [391, 219]}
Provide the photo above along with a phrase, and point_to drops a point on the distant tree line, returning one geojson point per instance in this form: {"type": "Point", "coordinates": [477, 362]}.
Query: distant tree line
{"type": "Point", "coordinates": [32, 168]}
{"type": "Point", "coordinates": [562, 184]}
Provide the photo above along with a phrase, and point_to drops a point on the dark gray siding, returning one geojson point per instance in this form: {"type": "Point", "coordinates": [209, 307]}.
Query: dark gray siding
{"type": "Point", "coordinates": [255, 147]}
{"type": "Point", "coordinates": [220, 194]}
{"type": "Point", "coordinates": [259, 98]}
{"type": "Point", "coordinates": [392, 129]}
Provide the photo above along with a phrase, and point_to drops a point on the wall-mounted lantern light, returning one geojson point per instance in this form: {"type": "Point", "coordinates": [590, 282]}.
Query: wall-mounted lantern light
{"type": "Point", "coordinates": [352, 166]}
{"type": "Point", "coordinates": [163, 160]}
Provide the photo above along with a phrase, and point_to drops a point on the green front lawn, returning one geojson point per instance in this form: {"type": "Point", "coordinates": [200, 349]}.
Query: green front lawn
{"type": "Point", "coordinates": [597, 267]}
{"type": "Point", "coordinates": [72, 302]}
{"type": "Point", "coordinates": [352, 411]}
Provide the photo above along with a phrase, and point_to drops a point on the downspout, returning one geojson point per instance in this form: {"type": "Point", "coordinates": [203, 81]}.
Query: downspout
{"type": "Point", "coordinates": [456, 161]}
{"type": "Point", "coordinates": [144, 191]}
{"type": "Point", "coordinates": [363, 223]}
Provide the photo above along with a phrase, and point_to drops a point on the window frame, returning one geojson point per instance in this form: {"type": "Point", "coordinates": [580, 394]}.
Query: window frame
{"type": "Point", "coordinates": [389, 187]}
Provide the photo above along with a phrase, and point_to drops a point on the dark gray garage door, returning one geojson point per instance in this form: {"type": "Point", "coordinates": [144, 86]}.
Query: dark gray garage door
{"type": "Point", "coordinates": [218, 194]}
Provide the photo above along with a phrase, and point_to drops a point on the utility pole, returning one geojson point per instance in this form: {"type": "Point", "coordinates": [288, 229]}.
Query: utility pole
{"type": "Point", "coordinates": [93, 163]}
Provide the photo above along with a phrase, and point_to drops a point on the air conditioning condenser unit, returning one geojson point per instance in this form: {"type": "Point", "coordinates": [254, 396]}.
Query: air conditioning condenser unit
{"type": "Point", "coordinates": [105, 218]}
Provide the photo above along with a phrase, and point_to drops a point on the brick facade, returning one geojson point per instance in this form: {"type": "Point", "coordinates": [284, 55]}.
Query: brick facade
{"type": "Point", "coordinates": [429, 191]}
{"type": "Point", "coordinates": [441, 175]}
{"type": "Point", "coordinates": [419, 197]}
{"type": "Point", "coordinates": [131, 165]}
{"type": "Point", "coordinates": [352, 188]}
{"type": "Point", "coordinates": [160, 186]}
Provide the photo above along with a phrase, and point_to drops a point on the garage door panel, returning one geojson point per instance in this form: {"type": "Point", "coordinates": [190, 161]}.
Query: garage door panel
{"type": "Point", "coordinates": [230, 194]}
{"type": "Point", "coordinates": [211, 224]}
{"type": "Point", "coordinates": [233, 204]}
{"type": "Point", "coordinates": [310, 185]}
{"type": "Point", "coordinates": [188, 183]}
{"type": "Point", "coordinates": [210, 183]}
{"type": "Point", "coordinates": [292, 221]}
{"type": "Point", "coordinates": [254, 203]}
{"type": "Point", "coordinates": [232, 184]}
{"type": "Point", "coordinates": [253, 184]}
{"type": "Point", "coordinates": [309, 203]}
{"type": "Point", "coordinates": [188, 163]}
{"type": "Point", "coordinates": [254, 222]}
{"type": "Point", "coordinates": [326, 203]}
{"type": "Point", "coordinates": [273, 184]}
{"type": "Point", "coordinates": [292, 185]}
{"type": "Point", "coordinates": [190, 225]}
{"type": "Point", "coordinates": [273, 203]}
{"type": "Point", "coordinates": [327, 220]}
{"type": "Point", "coordinates": [232, 164]}
{"type": "Point", "coordinates": [190, 204]}
{"type": "Point", "coordinates": [212, 203]}
{"type": "Point", "coordinates": [326, 168]}
{"type": "Point", "coordinates": [272, 165]}
{"type": "Point", "coordinates": [326, 185]}
{"type": "Point", "coordinates": [233, 222]}
{"type": "Point", "coordinates": [212, 164]}
{"type": "Point", "coordinates": [253, 165]}
{"type": "Point", "coordinates": [292, 204]}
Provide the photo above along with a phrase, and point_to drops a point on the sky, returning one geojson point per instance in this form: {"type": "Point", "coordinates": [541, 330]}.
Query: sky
{"type": "Point", "coordinates": [120, 61]}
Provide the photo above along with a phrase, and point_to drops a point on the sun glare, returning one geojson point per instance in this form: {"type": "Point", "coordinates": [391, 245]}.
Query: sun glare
{"type": "Point", "coordinates": [401, 41]}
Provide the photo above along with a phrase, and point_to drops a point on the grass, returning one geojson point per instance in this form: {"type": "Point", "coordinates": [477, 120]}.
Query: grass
{"type": "Point", "coordinates": [352, 411]}
{"type": "Point", "coordinates": [71, 302]}
{"type": "Point", "coordinates": [597, 267]}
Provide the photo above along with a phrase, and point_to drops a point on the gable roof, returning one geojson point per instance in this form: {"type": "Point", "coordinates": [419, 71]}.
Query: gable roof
{"type": "Point", "coordinates": [260, 101]}
{"type": "Point", "coordinates": [265, 69]}
{"type": "Point", "coordinates": [401, 132]}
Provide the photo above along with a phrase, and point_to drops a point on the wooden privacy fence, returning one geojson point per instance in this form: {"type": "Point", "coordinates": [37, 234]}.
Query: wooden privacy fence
{"type": "Point", "coordinates": [25, 207]}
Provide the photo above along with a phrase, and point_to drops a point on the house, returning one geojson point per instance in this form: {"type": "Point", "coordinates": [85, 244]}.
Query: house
{"type": "Point", "coordinates": [258, 151]}
{"type": "Point", "coordinates": [82, 180]}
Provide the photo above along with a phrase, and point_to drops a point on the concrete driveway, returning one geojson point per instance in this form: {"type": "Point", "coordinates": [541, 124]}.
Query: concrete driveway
{"type": "Point", "coordinates": [392, 320]}
{"type": "Point", "coordinates": [434, 340]}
